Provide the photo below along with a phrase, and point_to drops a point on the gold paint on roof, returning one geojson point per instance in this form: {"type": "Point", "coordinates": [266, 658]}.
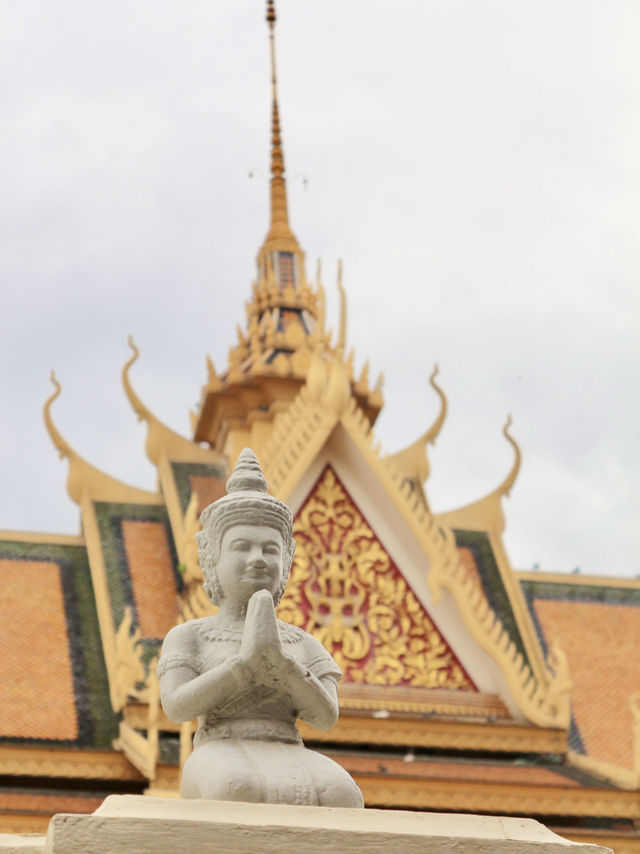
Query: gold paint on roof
{"type": "Point", "coordinates": [287, 386]}
{"type": "Point", "coordinates": [346, 591]}
{"type": "Point", "coordinates": [578, 579]}
{"type": "Point", "coordinates": [413, 460]}
{"type": "Point", "coordinates": [280, 235]}
{"type": "Point", "coordinates": [164, 447]}
{"type": "Point", "coordinates": [41, 537]}
{"type": "Point", "coordinates": [193, 602]}
{"type": "Point", "coordinates": [540, 690]}
{"type": "Point", "coordinates": [161, 440]}
{"type": "Point", "coordinates": [84, 478]}
{"type": "Point", "coordinates": [285, 328]}
{"type": "Point", "coordinates": [129, 668]}
{"type": "Point", "coordinates": [486, 514]}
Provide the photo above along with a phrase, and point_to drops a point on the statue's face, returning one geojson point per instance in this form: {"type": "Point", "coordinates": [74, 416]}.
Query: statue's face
{"type": "Point", "coordinates": [251, 559]}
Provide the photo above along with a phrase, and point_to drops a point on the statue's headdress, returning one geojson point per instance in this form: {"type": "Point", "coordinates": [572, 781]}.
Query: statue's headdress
{"type": "Point", "coordinates": [246, 503]}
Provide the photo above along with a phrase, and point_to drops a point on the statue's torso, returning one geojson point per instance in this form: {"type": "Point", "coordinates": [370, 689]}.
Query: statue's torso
{"type": "Point", "coordinates": [264, 714]}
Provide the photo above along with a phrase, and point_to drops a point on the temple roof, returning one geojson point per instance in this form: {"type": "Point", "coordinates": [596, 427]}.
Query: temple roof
{"type": "Point", "coordinates": [597, 623]}
{"type": "Point", "coordinates": [141, 567]}
{"type": "Point", "coordinates": [51, 659]}
{"type": "Point", "coordinates": [520, 685]}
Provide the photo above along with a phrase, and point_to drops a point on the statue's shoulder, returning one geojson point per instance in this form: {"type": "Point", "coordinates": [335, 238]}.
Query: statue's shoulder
{"type": "Point", "coordinates": [176, 638]}
{"type": "Point", "coordinates": [181, 648]}
{"type": "Point", "coordinates": [187, 634]}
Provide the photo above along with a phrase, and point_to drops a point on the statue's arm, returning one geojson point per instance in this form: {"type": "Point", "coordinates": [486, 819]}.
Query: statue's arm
{"type": "Point", "coordinates": [183, 692]}
{"type": "Point", "coordinates": [315, 700]}
{"type": "Point", "coordinates": [307, 687]}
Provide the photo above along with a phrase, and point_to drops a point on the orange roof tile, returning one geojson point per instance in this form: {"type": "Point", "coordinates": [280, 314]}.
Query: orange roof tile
{"type": "Point", "coordinates": [601, 642]}
{"type": "Point", "coordinates": [47, 802]}
{"type": "Point", "coordinates": [34, 653]}
{"type": "Point", "coordinates": [208, 489]}
{"type": "Point", "coordinates": [469, 562]}
{"type": "Point", "coordinates": [152, 578]}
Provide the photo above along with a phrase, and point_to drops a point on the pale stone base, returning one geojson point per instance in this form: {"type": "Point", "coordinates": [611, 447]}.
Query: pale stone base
{"type": "Point", "coordinates": [22, 843]}
{"type": "Point", "coordinates": [131, 824]}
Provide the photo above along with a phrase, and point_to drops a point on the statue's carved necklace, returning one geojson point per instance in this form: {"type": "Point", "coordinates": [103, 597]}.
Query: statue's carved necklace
{"type": "Point", "coordinates": [221, 633]}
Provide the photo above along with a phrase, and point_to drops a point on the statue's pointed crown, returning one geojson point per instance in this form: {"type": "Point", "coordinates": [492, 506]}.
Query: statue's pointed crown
{"type": "Point", "coordinates": [247, 503]}
{"type": "Point", "coordinates": [247, 475]}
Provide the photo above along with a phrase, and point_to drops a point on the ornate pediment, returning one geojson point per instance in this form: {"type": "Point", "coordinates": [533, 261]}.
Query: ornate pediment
{"type": "Point", "coordinates": [346, 590]}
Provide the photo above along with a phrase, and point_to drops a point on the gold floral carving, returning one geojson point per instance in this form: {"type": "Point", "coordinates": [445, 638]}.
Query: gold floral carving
{"type": "Point", "coordinates": [194, 604]}
{"type": "Point", "coordinates": [347, 592]}
{"type": "Point", "coordinates": [130, 670]}
{"type": "Point", "coordinates": [192, 601]}
{"type": "Point", "coordinates": [17, 760]}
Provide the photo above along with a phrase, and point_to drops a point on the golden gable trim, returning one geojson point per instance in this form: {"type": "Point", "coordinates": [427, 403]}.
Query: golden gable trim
{"type": "Point", "coordinates": [413, 730]}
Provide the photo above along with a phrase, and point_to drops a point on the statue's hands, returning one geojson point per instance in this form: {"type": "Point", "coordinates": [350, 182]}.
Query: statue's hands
{"type": "Point", "coordinates": [261, 647]}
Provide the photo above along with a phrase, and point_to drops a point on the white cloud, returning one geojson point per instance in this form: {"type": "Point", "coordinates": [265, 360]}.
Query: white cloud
{"type": "Point", "coordinates": [474, 164]}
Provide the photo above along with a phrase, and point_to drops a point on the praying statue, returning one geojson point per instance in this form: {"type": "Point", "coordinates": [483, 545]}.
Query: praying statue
{"type": "Point", "coordinates": [246, 675]}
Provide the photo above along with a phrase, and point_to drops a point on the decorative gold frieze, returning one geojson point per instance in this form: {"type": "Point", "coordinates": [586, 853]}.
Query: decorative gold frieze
{"type": "Point", "coordinates": [130, 671]}
{"type": "Point", "coordinates": [420, 730]}
{"type": "Point", "coordinates": [65, 762]}
{"type": "Point", "coordinates": [347, 592]}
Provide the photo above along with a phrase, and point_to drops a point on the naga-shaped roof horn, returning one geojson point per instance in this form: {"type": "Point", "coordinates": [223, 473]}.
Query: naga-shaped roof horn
{"type": "Point", "coordinates": [85, 480]}
{"type": "Point", "coordinates": [412, 460]}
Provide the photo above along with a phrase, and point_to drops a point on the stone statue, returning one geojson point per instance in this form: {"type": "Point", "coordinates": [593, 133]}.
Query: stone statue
{"type": "Point", "coordinates": [245, 674]}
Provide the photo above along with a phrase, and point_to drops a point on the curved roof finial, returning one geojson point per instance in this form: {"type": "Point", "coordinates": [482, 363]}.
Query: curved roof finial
{"type": "Point", "coordinates": [486, 514]}
{"type": "Point", "coordinates": [320, 327]}
{"type": "Point", "coordinates": [138, 406]}
{"type": "Point", "coordinates": [413, 460]}
{"type": "Point", "coordinates": [64, 449]}
{"type": "Point", "coordinates": [507, 484]}
{"type": "Point", "coordinates": [342, 326]}
{"type": "Point", "coordinates": [83, 478]}
{"type": "Point", "coordinates": [432, 433]}
{"type": "Point", "coordinates": [160, 438]}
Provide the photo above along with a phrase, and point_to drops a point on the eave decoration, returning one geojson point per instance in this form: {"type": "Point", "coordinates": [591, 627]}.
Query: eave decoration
{"type": "Point", "coordinates": [542, 694]}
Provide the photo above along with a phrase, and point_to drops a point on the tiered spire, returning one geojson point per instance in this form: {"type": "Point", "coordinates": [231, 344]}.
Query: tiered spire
{"type": "Point", "coordinates": [282, 300]}
{"type": "Point", "coordinates": [285, 329]}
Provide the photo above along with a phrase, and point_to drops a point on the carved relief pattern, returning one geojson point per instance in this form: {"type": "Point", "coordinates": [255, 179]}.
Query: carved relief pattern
{"type": "Point", "coordinates": [345, 590]}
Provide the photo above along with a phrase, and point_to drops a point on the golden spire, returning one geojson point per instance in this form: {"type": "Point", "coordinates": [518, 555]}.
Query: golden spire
{"type": "Point", "coordinates": [279, 227]}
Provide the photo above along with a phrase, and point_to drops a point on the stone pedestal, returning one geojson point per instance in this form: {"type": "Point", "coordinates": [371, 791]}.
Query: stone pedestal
{"type": "Point", "coordinates": [22, 843]}
{"type": "Point", "coordinates": [133, 824]}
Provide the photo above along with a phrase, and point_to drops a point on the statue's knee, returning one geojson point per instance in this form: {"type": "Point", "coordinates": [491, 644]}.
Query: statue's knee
{"type": "Point", "coordinates": [243, 787]}
{"type": "Point", "coordinates": [217, 772]}
{"type": "Point", "coordinates": [240, 787]}
{"type": "Point", "coordinates": [342, 793]}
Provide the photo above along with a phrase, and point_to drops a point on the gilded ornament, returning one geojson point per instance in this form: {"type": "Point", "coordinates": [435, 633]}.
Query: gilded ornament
{"type": "Point", "coordinates": [346, 591]}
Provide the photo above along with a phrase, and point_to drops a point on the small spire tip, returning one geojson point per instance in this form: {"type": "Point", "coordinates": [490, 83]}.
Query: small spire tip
{"type": "Point", "coordinates": [271, 12]}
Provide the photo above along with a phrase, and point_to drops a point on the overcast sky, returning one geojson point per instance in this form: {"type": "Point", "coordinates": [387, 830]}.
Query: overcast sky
{"type": "Point", "coordinates": [475, 164]}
